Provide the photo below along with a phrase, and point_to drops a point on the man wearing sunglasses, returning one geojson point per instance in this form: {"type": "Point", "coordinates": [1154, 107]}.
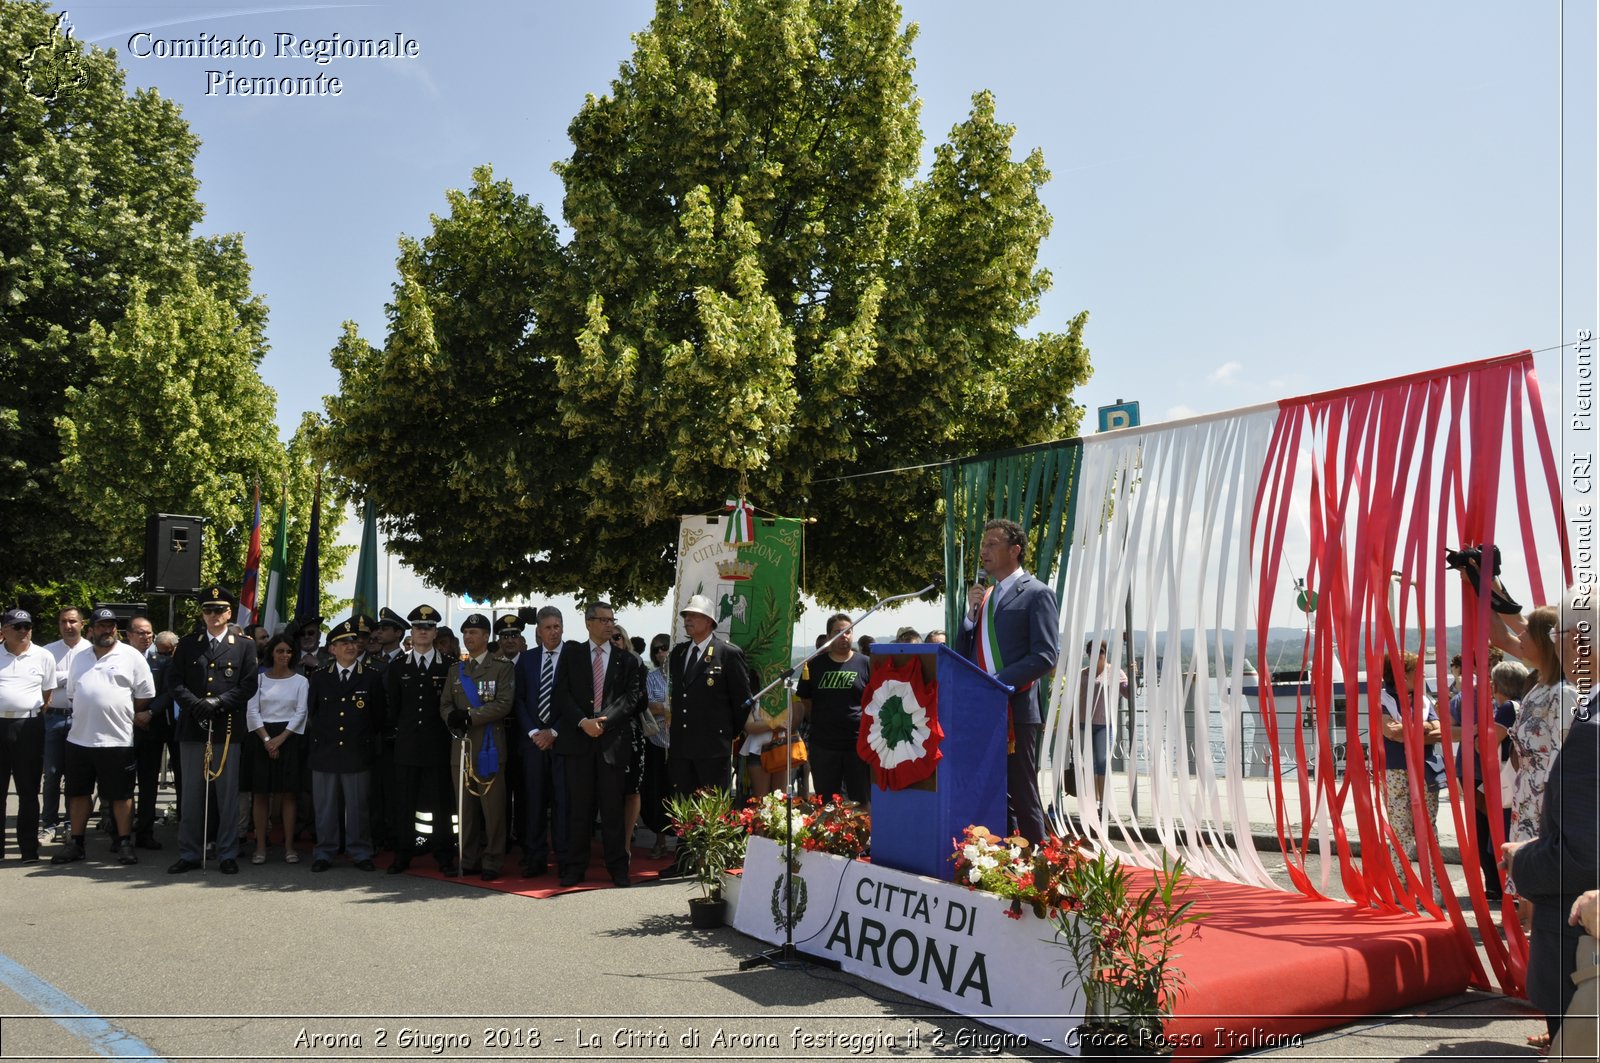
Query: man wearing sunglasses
{"type": "Point", "coordinates": [212, 678]}
{"type": "Point", "coordinates": [27, 678]}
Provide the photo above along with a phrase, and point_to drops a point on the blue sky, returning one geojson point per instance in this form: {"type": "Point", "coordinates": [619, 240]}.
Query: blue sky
{"type": "Point", "coordinates": [1252, 200]}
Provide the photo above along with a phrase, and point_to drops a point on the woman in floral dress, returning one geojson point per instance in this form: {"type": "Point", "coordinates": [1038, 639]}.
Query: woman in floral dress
{"type": "Point", "coordinates": [1540, 728]}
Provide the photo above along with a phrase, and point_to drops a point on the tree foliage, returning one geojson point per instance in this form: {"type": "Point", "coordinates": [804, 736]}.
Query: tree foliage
{"type": "Point", "coordinates": [451, 426]}
{"type": "Point", "coordinates": [129, 346]}
{"type": "Point", "coordinates": [758, 289]}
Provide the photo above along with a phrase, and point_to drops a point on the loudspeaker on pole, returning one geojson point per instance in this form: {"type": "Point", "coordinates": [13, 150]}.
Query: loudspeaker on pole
{"type": "Point", "coordinates": [172, 553]}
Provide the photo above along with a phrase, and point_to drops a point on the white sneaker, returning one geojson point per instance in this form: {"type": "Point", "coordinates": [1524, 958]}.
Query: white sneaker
{"type": "Point", "coordinates": [47, 835]}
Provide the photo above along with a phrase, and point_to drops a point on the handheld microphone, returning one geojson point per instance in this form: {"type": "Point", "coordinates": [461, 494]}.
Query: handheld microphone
{"type": "Point", "coordinates": [982, 578]}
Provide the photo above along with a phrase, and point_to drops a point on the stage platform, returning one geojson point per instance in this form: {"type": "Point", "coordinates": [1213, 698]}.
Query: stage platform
{"type": "Point", "coordinates": [1265, 968]}
{"type": "Point", "coordinates": [1268, 965]}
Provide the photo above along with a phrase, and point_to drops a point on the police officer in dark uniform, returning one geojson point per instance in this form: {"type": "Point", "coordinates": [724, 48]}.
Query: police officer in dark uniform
{"type": "Point", "coordinates": [211, 679]}
{"type": "Point", "coordinates": [388, 634]}
{"type": "Point", "coordinates": [388, 630]}
{"type": "Point", "coordinates": [510, 645]}
{"type": "Point", "coordinates": [414, 686]}
{"type": "Point", "coordinates": [307, 637]}
{"type": "Point", "coordinates": [345, 713]}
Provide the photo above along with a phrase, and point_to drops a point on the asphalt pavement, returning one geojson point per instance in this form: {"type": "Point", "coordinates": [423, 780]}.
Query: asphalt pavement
{"type": "Point", "coordinates": [277, 963]}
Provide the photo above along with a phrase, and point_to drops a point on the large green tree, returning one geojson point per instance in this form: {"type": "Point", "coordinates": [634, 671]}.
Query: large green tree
{"type": "Point", "coordinates": [129, 346]}
{"type": "Point", "coordinates": [97, 194]}
{"type": "Point", "coordinates": [451, 426]}
{"type": "Point", "coordinates": [758, 290]}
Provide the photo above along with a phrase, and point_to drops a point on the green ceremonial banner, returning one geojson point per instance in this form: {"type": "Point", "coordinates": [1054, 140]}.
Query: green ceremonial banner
{"type": "Point", "coordinates": [751, 587]}
{"type": "Point", "coordinates": [1033, 486]}
{"type": "Point", "coordinates": [365, 602]}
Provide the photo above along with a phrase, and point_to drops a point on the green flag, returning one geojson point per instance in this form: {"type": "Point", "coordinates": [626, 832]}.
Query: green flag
{"type": "Point", "coordinates": [366, 595]}
{"type": "Point", "coordinates": [271, 612]}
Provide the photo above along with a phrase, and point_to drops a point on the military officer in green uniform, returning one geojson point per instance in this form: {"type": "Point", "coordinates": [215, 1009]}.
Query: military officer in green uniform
{"type": "Point", "coordinates": [475, 703]}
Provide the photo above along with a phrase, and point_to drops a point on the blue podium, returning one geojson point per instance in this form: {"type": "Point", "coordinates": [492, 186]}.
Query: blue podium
{"type": "Point", "coordinates": [915, 829]}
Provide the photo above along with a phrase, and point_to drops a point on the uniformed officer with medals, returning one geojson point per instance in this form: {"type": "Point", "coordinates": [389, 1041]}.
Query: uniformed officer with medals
{"type": "Point", "coordinates": [211, 679]}
{"type": "Point", "coordinates": [476, 700]}
{"type": "Point", "coordinates": [346, 711]}
{"type": "Point", "coordinates": [510, 645]}
{"type": "Point", "coordinates": [414, 687]}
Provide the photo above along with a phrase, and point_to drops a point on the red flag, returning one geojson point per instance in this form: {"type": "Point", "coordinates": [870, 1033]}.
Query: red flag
{"type": "Point", "coordinates": [252, 570]}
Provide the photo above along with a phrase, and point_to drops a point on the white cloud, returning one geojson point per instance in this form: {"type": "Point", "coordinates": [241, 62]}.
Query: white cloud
{"type": "Point", "coordinates": [1180, 411]}
{"type": "Point", "coordinates": [1224, 373]}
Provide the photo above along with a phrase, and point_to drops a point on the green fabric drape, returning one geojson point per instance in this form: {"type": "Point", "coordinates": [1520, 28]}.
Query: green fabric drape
{"type": "Point", "coordinates": [1032, 486]}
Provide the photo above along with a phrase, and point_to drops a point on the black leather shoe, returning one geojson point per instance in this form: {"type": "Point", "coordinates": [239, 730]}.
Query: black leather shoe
{"type": "Point", "coordinates": [183, 865]}
{"type": "Point", "coordinates": [70, 855]}
{"type": "Point", "coordinates": [146, 841]}
{"type": "Point", "coordinates": [321, 865]}
{"type": "Point", "coordinates": [535, 870]}
{"type": "Point", "coordinates": [449, 870]}
{"type": "Point", "coordinates": [229, 866]}
{"type": "Point", "coordinates": [568, 881]}
{"type": "Point", "coordinates": [472, 870]}
{"type": "Point", "coordinates": [490, 874]}
{"type": "Point", "coordinates": [622, 882]}
{"type": "Point", "coordinates": [366, 865]}
{"type": "Point", "coordinates": [400, 866]}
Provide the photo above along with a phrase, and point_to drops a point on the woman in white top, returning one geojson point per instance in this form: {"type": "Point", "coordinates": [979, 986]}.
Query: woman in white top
{"type": "Point", "coordinates": [276, 715]}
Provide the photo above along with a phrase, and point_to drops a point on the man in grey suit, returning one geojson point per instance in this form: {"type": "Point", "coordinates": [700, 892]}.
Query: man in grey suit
{"type": "Point", "coordinates": [1011, 631]}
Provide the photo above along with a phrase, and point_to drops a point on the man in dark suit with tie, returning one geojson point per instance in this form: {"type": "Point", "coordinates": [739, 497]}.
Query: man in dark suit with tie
{"type": "Point", "coordinates": [598, 696]}
{"type": "Point", "coordinates": [211, 679]}
{"type": "Point", "coordinates": [1012, 631]}
{"type": "Point", "coordinates": [544, 774]}
{"type": "Point", "coordinates": [709, 691]}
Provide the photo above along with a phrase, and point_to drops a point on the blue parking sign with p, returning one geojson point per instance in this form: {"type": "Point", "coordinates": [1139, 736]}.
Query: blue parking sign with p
{"type": "Point", "coordinates": [1120, 415]}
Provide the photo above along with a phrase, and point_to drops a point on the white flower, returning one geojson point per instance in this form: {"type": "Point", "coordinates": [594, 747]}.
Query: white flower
{"type": "Point", "coordinates": [974, 876]}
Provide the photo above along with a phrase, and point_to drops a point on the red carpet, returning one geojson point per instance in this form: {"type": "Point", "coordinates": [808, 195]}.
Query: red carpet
{"type": "Point", "coordinates": [643, 869]}
{"type": "Point", "coordinates": [1267, 965]}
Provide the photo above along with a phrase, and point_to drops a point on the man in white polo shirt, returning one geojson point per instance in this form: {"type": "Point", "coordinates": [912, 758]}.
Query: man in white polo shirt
{"type": "Point", "coordinates": [110, 684]}
{"type": "Point", "coordinates": [27, 678]}
{"type": "Point", "coordinates": [58, 718]}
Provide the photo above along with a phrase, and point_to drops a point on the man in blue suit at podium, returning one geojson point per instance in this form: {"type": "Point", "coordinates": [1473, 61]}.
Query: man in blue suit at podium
{"type": "Point", "coordinates": [1011, 630]}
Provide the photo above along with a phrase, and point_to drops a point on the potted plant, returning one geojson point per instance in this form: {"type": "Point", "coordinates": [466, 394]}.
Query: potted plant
{"type": "Point", "coordinates": [1124, 944]}
{"type": "Point", "coordinates": [710, 840]}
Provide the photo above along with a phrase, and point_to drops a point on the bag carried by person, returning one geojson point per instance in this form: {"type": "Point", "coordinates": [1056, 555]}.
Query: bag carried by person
{"type": "Point", "coordinates": [783, 746]}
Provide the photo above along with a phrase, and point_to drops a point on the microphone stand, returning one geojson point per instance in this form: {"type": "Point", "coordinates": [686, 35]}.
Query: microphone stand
{"type": "Point", "coordinates": [786, 957]}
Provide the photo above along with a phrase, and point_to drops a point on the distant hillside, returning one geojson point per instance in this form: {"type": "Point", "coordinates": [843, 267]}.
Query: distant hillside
{"type": "Point", "coordinates": [1285, 645]}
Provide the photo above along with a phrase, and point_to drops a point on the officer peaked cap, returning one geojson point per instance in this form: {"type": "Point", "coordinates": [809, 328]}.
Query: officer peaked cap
{"type": "Point", "coordinates": [345, 629]}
